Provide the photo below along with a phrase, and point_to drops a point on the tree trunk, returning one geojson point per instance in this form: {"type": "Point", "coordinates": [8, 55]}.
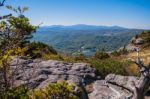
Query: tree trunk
{"type": "Point", "coordinates": [5, 77]}
{"type": "Point", "coordinates": [142, 86]}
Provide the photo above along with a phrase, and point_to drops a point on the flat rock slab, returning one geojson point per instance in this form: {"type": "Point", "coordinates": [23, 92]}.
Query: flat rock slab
{"type": "Point", "coordinates": [39, 73]}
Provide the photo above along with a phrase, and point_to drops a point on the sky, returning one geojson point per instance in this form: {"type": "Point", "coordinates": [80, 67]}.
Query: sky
{"type": "Point", "coordinates": [125, 13]}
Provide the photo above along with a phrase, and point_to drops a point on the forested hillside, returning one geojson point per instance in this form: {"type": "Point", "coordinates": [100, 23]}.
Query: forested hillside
{"type": "Point", "coordinates": [86, 38]}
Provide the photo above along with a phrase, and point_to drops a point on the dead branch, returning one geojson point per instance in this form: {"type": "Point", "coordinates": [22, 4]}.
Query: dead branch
{"type": "Point", "coordinates": [2, 3]}
{"type": "Point", "coordinates": [5, 16]}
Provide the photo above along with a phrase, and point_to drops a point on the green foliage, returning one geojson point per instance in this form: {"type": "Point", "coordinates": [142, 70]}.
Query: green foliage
{"type": "Point", "coordinates": [43, 47]}
{"type": "Point", "coordinates": [101, 55]}
{"type": "Point", "coordinates": [21, 28]}
{"type": "Point", "coordinates": [16, 30]}
{"type": "Point", "coordinates": [60, 90]}
{"type": "Point", "coordinates": [69, 41]}
{"type": "Point", "coordinates": [18, 93]}
{"type": "Point", "coordinates": [19, 10]}
{"type": "Point", "coordinates": [7, 57]}
{"type": "Point", "coordinates": [105, 67]}
{"type": "Point", "coordinates": [80, 57]}
{"type": "Point", "coordinates": [34, 50]}
{"type": "Point", "coordinates": [52, 56]}
{"type": "Point", "coordinates": [146, 37]}
{"type": "Point", "coordinates": [15, 33]}
{"type": "Point", "coordinates": [116, 53]}
{"type": "Point", "coordinates": [123, 51]}
{"type": "Point", "coordinates": [41, 50]}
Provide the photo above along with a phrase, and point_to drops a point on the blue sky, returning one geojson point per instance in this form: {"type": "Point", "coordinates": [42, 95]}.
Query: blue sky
{"type": "Point", "coordinates": [126, 13]}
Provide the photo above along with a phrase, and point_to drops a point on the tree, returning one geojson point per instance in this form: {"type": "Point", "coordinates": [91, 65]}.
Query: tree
{"type": "Point", "coordinates": [15, 31]}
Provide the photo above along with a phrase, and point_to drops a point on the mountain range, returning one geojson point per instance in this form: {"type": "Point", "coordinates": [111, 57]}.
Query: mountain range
{"type": "Point", "coordinates": [84, 38]}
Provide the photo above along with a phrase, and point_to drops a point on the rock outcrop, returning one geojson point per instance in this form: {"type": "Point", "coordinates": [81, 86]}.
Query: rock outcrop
{"type": "Point", "coordinates": [114, 87]}
{"type": "Point", "coordinates": [39, 73]}
{"type": "Point", "coordinates": [134, 44]}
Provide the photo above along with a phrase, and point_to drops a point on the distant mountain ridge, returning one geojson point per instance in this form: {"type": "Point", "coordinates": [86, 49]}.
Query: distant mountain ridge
{"type": "Point", "coordinates": [82, 27]}
{"type": "Point", "coordinates": [85, 38]}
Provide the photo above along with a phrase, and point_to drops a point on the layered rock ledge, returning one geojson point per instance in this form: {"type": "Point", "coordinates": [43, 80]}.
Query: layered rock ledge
{"type": "Point", "coordinates": [114, 87]}
{"type": "Point", "coordinates": [39, 73]}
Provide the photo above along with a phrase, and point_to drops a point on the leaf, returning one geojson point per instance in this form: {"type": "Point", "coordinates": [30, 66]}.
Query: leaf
{"type": "Point", "coordinates": [9, 7]}
{"type": "Point", "coordinates": [25, 9]}
{"type": "Point", "coordinates": [15, 10]}
{"type": "Point", "coordinates": [19, 9]}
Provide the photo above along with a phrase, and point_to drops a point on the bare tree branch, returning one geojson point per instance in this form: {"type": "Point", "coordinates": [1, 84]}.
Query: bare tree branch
{"type": "Point", "coordinates": [2, 3]}
{"type": "Point", "coordinates": [5, 16]}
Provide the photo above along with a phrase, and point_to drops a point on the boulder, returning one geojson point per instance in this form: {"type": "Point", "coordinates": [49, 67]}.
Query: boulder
{"type": "Point", "coordinates": [131, 47]}
{"type": "Point", "coordinates": [139, 41]}
{"type": "Point", "coordinates": [114, 87]}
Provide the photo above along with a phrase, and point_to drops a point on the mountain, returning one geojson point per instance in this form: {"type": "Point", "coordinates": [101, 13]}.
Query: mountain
{"type": "Point", "coordinates": [81, 27]}
{"type": "Point", "coordinates": [85, 38]}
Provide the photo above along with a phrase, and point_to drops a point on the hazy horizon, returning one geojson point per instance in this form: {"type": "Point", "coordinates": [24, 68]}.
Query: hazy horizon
{"type": "Point", "coordinates": [91, 25]}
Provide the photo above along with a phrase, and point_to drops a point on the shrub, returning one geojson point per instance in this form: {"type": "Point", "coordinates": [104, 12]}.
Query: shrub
{"type": "Point", "coordinates": [116, 53]}
{"type": "Point", "coordinates": [146, 37]}
{"type": "Point", "coordinates": [39, 50]}
{"type": "Point", "coordinates": [43, 47]}
{"type": "Point", "coordinates": [133, 70]}
{"type": "Point", "coordinates": [60, 90]}
{"type": "Point", "coordinates": [105, 67]}
{"type": "Point", "coordinates": [101, 55]}
{"type": "Point", "coordinates": [17, 93]}
{"type": "Point", "coordinates": [123, 51]}
{"type": "Point", "coordinates": [52, 56]}
{"type": "Point", "coordinates": [80, 57]}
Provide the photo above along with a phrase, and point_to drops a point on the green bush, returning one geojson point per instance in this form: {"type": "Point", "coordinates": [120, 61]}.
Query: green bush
{"type": "Point", "coordinates": [146, 37]}
{"type": "Point", "coordinates": [52, 56]}
{"type": "Point", "coordinates": [39, 50]}
{"type": "Point", "coordinates": [80, 57]}
{"type": "Point", "coordinates": [105, 67]}
{"type": "Point", "coordinates": [17, 93]}
{"type": "Point", "coordinates": [43, 47]}
{"type": "Point", "coordinates": [116, 53]}
{"type": "Point", "coordinates": [101, 55]}
{"type": "Point", "coordinates": [59, 90]}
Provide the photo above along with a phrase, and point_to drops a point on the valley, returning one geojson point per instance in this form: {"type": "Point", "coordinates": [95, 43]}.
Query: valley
{"type": "Point", "coordinates": [86, 39]}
